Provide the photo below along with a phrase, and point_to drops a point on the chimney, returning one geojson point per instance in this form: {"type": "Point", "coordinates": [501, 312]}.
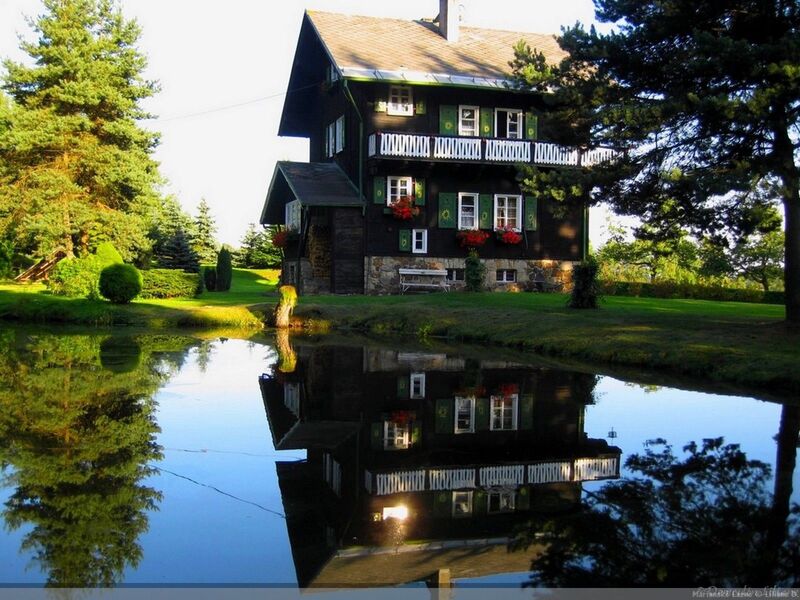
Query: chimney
{"type": "Point", "coordinates": [448, 19]}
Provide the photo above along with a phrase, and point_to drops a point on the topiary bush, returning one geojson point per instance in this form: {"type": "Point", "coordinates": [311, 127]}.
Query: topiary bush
{"type": "Point", "coordinates": [76, 277]}
{"type": "Point", "coordinates": [120, 283]}
{"type": "Point", "coordinates": [170, 283]}
{"type": "Point", "coordinates": [210, 278]}
{"type": "Point", "coordinates": [224, 270]}
{"type": "Point", "coordinates": [107, 254]}
{"type": "Point", "coordinates": [474, 272]}
{"type": "Point", "coordinates": [585, 290]}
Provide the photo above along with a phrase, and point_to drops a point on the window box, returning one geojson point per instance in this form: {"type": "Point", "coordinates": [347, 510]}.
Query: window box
{"type": "Point", "coordinates": [508, 236]}
{"type": "Point", "coordinates": [403, 209]}
{"type": "Point", "coordinates": [472, 239]}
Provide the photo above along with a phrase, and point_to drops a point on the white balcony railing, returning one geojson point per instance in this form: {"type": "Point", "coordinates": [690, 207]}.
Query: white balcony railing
{"type": "Point", "coordinates": [403, 481]}
{"type": "Point", "coordinates": [503, 475]}
{"type": "Point", "coordinates": [550, 472]}
{"type": "Point", "coordinates": [597, 156]}
{"type": "Point", "coordinates": [456, 148]}
{"type": "Point", "coordinates": [405, 144]}
{"type": "Point", "coordinates": [451, 479]}
{"type": "Point", "coordinates": [587, 469]}
{"type": "Point", "coordinates": [517, 151]}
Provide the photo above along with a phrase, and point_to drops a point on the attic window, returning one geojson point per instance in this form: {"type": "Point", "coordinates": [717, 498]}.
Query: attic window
{"type": "Point", "coordinates": [401, 101]}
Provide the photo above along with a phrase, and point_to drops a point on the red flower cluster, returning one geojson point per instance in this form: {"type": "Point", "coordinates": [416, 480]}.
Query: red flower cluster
{"type": "Point", "coordinates": [279, 239]}
{"type": "Point", "coordinates": [402, 417]}
{"type": "Point", "coordinates": [508, 389]}
{"type": "Point", "coordinates": [508, 236]}
{"type": "Point", "coordinates": [404, 209]}
{"type": "Point", "coordinates": [472, 238]}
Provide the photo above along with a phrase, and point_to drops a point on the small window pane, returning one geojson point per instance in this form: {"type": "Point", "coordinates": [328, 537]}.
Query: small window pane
{"type": "Point", "coordinates": [400, 101]}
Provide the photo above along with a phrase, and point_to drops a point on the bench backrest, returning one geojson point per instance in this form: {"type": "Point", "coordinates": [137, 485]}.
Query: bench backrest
{"type": "Point", "coordinates": [431, 272]}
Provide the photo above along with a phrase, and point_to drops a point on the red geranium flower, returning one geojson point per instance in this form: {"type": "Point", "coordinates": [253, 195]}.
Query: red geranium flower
{"type": "Point", "coordinates": [404, 209]}
{"type": "Point", "coordinates": [472, 238]}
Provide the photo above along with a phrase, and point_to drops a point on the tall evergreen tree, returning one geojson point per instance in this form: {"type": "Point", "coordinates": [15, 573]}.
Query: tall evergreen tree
{"type": "Point", "coordinates": [703, 98]}
{"type": "Point", "coordinates": [256, 250]}
{"type": "Point", "coordinates": [169, 219]}
{"type": "Point", "coordinates": [203, 241]}
{"type": "Point", "coordinates": [76, 163]}
{"type": "Point", "coordinates": [179, 254]}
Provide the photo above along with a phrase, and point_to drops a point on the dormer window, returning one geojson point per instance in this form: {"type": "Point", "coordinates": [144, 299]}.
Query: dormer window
{"type": "Point", "coordinates": [401, 101]}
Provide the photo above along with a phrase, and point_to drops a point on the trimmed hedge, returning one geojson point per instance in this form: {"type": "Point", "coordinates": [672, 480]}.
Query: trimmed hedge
{"type": "Point", "coordinates": [689, 291]}
{"type": "Point", "coordinates": [120, 283]}
{"type": "Point", "coordinates": [170, 283]}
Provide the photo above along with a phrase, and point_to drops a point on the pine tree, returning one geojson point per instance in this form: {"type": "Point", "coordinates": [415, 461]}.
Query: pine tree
{"type": "Point", "coordinates": [256, 250]}
{"type": "Point", "coordinates": [203, 241]}
{"type": "Point", "coordinates": [75, 160]}
{"type": "Point", "coordinates": [179, 254]}
{"type": "Point", "coordinates": [169, 219]}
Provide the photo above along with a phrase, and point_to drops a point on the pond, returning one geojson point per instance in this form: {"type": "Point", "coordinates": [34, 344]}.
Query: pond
{"type": "Point", "coordinates": [168, 459]}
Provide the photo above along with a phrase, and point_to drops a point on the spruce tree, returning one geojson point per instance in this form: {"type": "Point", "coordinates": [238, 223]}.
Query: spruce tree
{"type": "Point", "coordinates": [75, 161]}
{"type": "Point", "coordinates": [224, 270]}
{"type": "Point", "coordinates": [203, 241]}
{"type": "Point", "coordinates": [179, 254]}
{"type": "Point", "coordinates": [256, 250]}
{"type": "Point", "coordinates": [170, 217]}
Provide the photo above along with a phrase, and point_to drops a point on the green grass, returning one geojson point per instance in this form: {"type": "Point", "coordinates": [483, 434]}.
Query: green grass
{"type": "Point", "coordinates": [243, 306]}
{"type": "Point", "coordinates": [738, 343]}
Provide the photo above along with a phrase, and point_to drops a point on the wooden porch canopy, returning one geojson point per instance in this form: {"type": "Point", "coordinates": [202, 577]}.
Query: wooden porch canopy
{"type": "Point", "coordinates": [313, 184]}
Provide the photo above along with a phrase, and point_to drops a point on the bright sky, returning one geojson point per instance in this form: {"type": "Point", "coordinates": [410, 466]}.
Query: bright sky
{"type": "Point", "coordinates": [238, 53]}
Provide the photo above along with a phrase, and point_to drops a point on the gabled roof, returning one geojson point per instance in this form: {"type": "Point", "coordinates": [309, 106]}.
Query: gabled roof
{"type": "Point", "coordinates": [313, 184]}
{"type": "Point", "coordinates": [379, 48]}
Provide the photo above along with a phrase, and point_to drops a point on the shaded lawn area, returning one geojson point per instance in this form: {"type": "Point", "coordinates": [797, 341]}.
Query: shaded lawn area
{"type": "Point", "coordinates": [744, 344]}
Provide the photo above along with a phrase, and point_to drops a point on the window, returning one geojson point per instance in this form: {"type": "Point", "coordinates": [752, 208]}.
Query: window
{"type": "Point", "coordinates": [506, 276]}
{"type": "Point", "coordinates": [507, 210]}
{"type": "Point", "coordinates": [398, 187]}
{"type": "Point", "coordinates": [462, 504]}
{"type": "Point", "coordinates": [331, 74]}
{"type": "Point", "coordinates": [340, 134]}
{"type": "Point", "coordinates": [292, 215]}
{"type": "Point", "coordinates": [467, 210]}
{"type": "Point", "coordinates": [419, 241]}
{"type": "Point", "coordinates": [500, 502]}
{"type": "Point", "coordinates": [465, 414]}
{"type": "Point", "coordinates": [291, 397]}
{"type": "Point", "coordinates": [508, 123]}
{"type": "Point", "coordinates": [395, 436]}
{"type": "Point", "coordinates": [417, 385]}
{"type": "Point", "coordinates": [401, 101]}
{"type": "Point", "coordinates": [455, 274]}
{"type": "Point", "coordinates": [334, 137]}
{"type": "Point", "coordinates": [468, 120]}
{"type": "Point", "coordinates": [504, 413]}
{"type": "Point", "coordinates": [291, 275]}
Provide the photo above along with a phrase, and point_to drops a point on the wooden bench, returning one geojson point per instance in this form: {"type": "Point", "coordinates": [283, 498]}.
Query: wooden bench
{"type": "Point", "coordinates": [431, 279]}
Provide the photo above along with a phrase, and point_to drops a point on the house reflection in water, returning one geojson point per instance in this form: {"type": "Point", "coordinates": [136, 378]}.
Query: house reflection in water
{"type": "Point", "coordinates": [417, 462]}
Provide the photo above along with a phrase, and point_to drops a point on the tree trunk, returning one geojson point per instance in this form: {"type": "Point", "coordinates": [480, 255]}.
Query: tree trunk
{"type": "Point", "coordinates": [791, 272]}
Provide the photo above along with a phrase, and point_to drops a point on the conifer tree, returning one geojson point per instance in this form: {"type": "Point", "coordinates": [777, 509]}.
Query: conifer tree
{"type": "Point", "coordinates": [224, 270]}
{"type": "Point", "coordinates": [179, 254]}
{"type": "Point", "coordinates": [256, 250]}
{"type": "Point", "coordinates": [203, 241]}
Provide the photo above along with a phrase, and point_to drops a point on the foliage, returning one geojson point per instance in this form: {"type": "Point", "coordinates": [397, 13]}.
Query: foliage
{"type": "Point", "coordinates": [80, 277]}
{"type": "Point", "coordinates": [474, 272]}
{"type": "Point", "coordinates": [654, 529]}
{"type": "Point", "coordinates": [673, 289]}
{"type": "Point", "coordinates": [6, 259]}
{"type": "Point", "coordinates": [760, 257]}
{"type": "Point", "coordinates": [169, 218]}
{"type": "Point", "coordinates": [169, 283]}
{"type": "Point", "coordinates": [203, 242]}
{"type": "Point", "coordinates": [257, 249]}
{"type": "Point", "coordinates": [404, 209]}
{"type": "Point", "coordinates": [77, 168]}
{"type": "Point", "coordinates": [224, 271]}
{"type": "Point", "coordinates": [287, 300]}
{"type": "Point", "coordinates": [472, 238]}
{"type": "Point", "coordinates": [177, 253]}
{"type": "Point", "coordinates": [120, 283]}
{"type": "Point", "coordinates": [508, 236]}
{"type": "Point", "coordinates": [210, 278]}
{"type": "Point", "coordinates": [107, 255]}
{"type": "Point", "coordinates": [702, 101]}
{"type": "Point", "coordinates": [585, 289]}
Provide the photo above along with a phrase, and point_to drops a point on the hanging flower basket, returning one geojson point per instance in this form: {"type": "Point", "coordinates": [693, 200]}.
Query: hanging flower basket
{"type": "Point", "coordinates": [508, 236]}
{"type": "Point", "coordinates": [508, 389]}
{"type": "Point", "coordinates": [403, 208]}
{"type": "Point", "coordinates": [279, 239]}
{"type": "Point", "coordinates": [472, 238]}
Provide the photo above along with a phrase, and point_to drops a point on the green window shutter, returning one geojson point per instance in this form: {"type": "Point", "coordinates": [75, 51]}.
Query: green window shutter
{"type": "Point", "coordinates": [531, 126]}
{"type": "Point", "coordinates": [402, 386]}
{"type": "Point", "coordinates": [447, 120]}
{"type": "Point", "coordinates": [487, 122]}
{"type": "Point", "coordinates": [419, 192]}
{"type": "Point", "coordinates": [526, 412]}
{"type": "Point", "coordinates": [486, 211]}
{"type": "Point", "coordinates": [380, 105]}
{"type": "Point", "coordinates": [480, 502]}
{"type": "Point", "coordinates": [376, 436]}
{"type": "Point", "coordinates": [420, 108]}
{"type": "Point", "coordinates": [447, 210]}
{"type": "Point", "coordinates": [444, 416]}
{"type": "Point", "coordinates": [481, 414]}
{"type": "Point", "coordinates": [416, 433]}
{"type": "Point", "coordinates": [442, 505]}
{"type": "Point", "coordinates": [523, 499]}
{"type": "Point", "coordinates": [379, 190]}
{"type": "Point", "coordinates": [404, 240]}
{"type": "Point", "coordinates": [531, 213]}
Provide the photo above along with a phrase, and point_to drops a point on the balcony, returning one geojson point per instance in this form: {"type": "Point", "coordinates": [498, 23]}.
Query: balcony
{"type": "Point", "coordinates": [384, 144]}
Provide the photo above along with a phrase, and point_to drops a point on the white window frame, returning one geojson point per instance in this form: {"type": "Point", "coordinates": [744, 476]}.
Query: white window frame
{"type": "Point", "coordinates": [398, 183]}
{"type": "Point", "coordinates": [476, 217]}
{"type": "Point", "coordinates": [477, 127]}
{"type": "Point", "coordinates": [505, 278]}
{"type": "Point", "coordinates": [401, 101]}
{"type": "Point", "coordinates": [339, 129]}
{"type": "Point", "coordinates": [471, 409]}
{"type": "Point", "coordinates": [454, 271]}
{"type": "Point", "coordinates": [330, 139]}
{"type": "Point", "coordinates": [509, 112]}
{"type": "Point", "coordinates": [510, 504]}
{"type": "Point", "coordinates": [506, 198]}
{"type": "Point", "coordinates": [291, 397]}
{"type": "Point", "coordinates": [397, 434]}
{"type": "Point", "coordinates": [293, 215]}
{"type": "Point", "coordinates": [424, 239]}
{"type": "Point", "coordinates": [500, 402]}
{"type": "Point", "coordinates": [417, 379]}
{"type": "Point", "coordinates": [465, 498]}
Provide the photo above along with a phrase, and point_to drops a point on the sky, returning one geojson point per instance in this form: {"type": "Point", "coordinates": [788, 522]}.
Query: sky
{"type": "Point", "coordinates": [223, 68]}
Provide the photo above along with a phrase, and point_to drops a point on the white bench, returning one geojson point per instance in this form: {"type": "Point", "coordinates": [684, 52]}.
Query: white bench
{"type": "Point", "coordinates": [431, 279]}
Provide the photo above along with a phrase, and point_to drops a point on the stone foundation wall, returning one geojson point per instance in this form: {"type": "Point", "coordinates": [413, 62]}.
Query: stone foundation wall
{"type": "Point", "coordinates": [310, 284]}
{"type": "Point", "coordinates": [382, 277]}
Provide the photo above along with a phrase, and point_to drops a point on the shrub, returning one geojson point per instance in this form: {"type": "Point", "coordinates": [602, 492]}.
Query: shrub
{"type": "Point", "coordinates": [671, 289]}
{"type": "Point", "coordinates": [210, 278]}
{"type": "Point", "coordinates": [224, 270]}
{"type": "Point", "coordinates": [474, 272]}
{"type": "Point", "coordinates": [6, 259]}
{"type": "Point", "coordinates": [120, 283]}
{"type": "Point", "coordinates": [170, 283]}
{"type": "Point", "coordinates": [585, 288]}
{"type": "Point", "coordinates": [107, 254]}
{"type": "Point", "coordinates": [76, 277]}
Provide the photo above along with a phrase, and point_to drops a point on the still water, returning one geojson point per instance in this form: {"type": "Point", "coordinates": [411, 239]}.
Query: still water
{"type": "Point", "coordinates": [169, 459]}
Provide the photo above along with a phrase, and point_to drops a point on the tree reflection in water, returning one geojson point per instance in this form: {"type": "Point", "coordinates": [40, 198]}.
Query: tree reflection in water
{"type": "Point", "coordinates": [707, 518]}
{"type": "Point", "coordinates": [77, 434]}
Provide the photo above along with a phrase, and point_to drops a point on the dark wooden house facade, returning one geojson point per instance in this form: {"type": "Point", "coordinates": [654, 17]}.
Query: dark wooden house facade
{"type": "Point", "coordinates": [416, 121]}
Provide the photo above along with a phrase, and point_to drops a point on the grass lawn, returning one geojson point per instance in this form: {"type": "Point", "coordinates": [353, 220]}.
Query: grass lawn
{"type": "Point", "coordinates": [738, 343]}
{"type": "Point", "coordinates": [241, 307]}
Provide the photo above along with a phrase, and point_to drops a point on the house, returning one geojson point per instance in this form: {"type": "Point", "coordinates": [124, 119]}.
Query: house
{"type": "Point", "coordinates": [420, 461]}
{"type": "Point", "coordinates": [414, 135]}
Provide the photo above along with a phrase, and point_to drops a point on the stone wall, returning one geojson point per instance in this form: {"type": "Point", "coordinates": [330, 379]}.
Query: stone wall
{"type": "Point", "coordinates": [382, 277]}
{"type": "Point", "coordinates": [307, 283]}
